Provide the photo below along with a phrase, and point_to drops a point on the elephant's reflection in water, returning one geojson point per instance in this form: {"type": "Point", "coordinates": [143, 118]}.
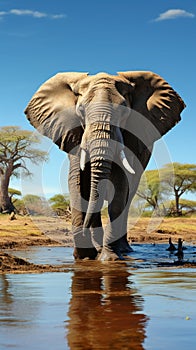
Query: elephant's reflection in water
{"type": "Point", "coordinates": [105, 310]}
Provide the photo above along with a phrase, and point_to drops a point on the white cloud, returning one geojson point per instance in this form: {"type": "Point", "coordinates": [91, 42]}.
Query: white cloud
{"type": "Point", "coordinates": [35, 14]}
{"type": "Point", "coordinates": [58, 16]}
{"type": "Point", "coordinates": [173, 14]}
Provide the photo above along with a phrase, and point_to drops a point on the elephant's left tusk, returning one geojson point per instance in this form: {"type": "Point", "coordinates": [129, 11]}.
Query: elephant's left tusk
{"type": "Point", "coordinates": [82, 159]}
{"type": "Point", "coordinates": [126, 163]}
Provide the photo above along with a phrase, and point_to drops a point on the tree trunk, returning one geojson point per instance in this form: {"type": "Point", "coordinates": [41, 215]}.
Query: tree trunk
{"type": "Point", "coordinates": [6, 205]}
{"type": "Point", "coordinates": [177, 197]}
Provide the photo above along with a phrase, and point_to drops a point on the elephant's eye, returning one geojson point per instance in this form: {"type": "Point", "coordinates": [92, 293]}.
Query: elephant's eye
{"type": "Point", "coordinates": [81, 111]}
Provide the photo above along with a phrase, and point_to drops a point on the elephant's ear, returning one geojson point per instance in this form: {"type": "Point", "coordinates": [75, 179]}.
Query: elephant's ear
{"type": "Point", "coordinates": [156, 108]}
{"type": "Point", "coordinates": [52, 110]}
{"type": "Point", "coordinates": [155, 99]}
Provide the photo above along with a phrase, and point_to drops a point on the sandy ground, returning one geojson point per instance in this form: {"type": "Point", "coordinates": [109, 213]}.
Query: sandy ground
{"type": "Point", "coordinates": [43, 231]}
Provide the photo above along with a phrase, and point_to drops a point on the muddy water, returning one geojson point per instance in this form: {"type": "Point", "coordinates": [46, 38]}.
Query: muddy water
{"type": "Point", "coordinates": [133, 305]}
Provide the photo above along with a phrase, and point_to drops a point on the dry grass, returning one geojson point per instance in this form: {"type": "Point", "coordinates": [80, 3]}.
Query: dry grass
{"type": "Point", "coordinates": [25, 231]}
{"type": "Point", "coordinates": [142, 230]}
{"type": "Point", "coordinates": [22, 226]}
{"type": "Point", "coordinates": [160, 229]}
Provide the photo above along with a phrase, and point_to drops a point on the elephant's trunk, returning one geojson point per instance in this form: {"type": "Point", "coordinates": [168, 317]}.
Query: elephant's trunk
{"type": "Point", "coordinates": [101, 158]}
{"type": "Point", "coordinates": [97, 140]}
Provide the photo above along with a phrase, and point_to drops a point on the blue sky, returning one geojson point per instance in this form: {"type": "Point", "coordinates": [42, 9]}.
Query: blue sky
{"type": "Point", "coordinates": [40, 38]}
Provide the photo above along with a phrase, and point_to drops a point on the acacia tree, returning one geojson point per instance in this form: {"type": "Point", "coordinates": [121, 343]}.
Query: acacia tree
{"type": "Point", "coordinates": [60, 204]}
{"type": "Point", "coordinates": [13, 192]}
{"type": "Point", "coordinates": [186, 206]}
{"type": "Point", "coordinates": [16, 147]}
{"type": "Point", "coordinates": [151, 189]}
{"type": "Point", "coordinates": [180, 179]}
{"type": "Point", "coordinates": [35, 205]}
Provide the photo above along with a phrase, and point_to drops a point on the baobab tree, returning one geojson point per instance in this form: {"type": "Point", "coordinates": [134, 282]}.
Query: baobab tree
{"type": "Point", "coordinates": [16, 147]}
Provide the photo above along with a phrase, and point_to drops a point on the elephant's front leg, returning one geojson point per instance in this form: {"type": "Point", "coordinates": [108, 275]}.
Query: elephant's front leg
{"type": "Point", "coordinates": [115, 236]}
{"type": "Point", "coordinates": [79, 187]}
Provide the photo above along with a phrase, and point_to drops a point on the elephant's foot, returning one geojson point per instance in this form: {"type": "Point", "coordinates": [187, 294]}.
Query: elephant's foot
{"type": "Point", "coordinates": [124, 246]}
{"type": "Point", "coordinates": [85, 253]}
{"type": "Point", "coordinates": [108, 254]}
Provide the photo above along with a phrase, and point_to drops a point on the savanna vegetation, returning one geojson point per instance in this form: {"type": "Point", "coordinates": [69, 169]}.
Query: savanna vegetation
{"type": "Point", "coordinates": [161, 190]}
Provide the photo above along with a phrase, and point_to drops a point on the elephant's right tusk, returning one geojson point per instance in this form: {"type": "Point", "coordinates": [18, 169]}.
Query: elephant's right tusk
{"type": "Point", "coordinates": [126, 163]}
{"type": "Point", "coordinates": [82, 159]}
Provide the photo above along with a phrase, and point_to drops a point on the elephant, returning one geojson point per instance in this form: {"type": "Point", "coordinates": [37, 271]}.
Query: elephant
{"type": "Point", "coordinates": [107, 124]}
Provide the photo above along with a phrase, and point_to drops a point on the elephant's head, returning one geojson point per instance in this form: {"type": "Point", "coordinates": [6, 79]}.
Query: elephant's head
{"type": "Point", "coordinates": [104, 116]}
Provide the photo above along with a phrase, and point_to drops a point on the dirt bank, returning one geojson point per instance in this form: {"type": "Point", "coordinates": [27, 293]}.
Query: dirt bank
{"type": "Point", "coordinates": [40, 231]}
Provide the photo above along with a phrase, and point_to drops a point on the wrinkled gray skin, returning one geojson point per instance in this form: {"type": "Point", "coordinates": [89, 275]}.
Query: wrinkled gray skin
{"type": "Point", "coordinates": [94, 119]}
